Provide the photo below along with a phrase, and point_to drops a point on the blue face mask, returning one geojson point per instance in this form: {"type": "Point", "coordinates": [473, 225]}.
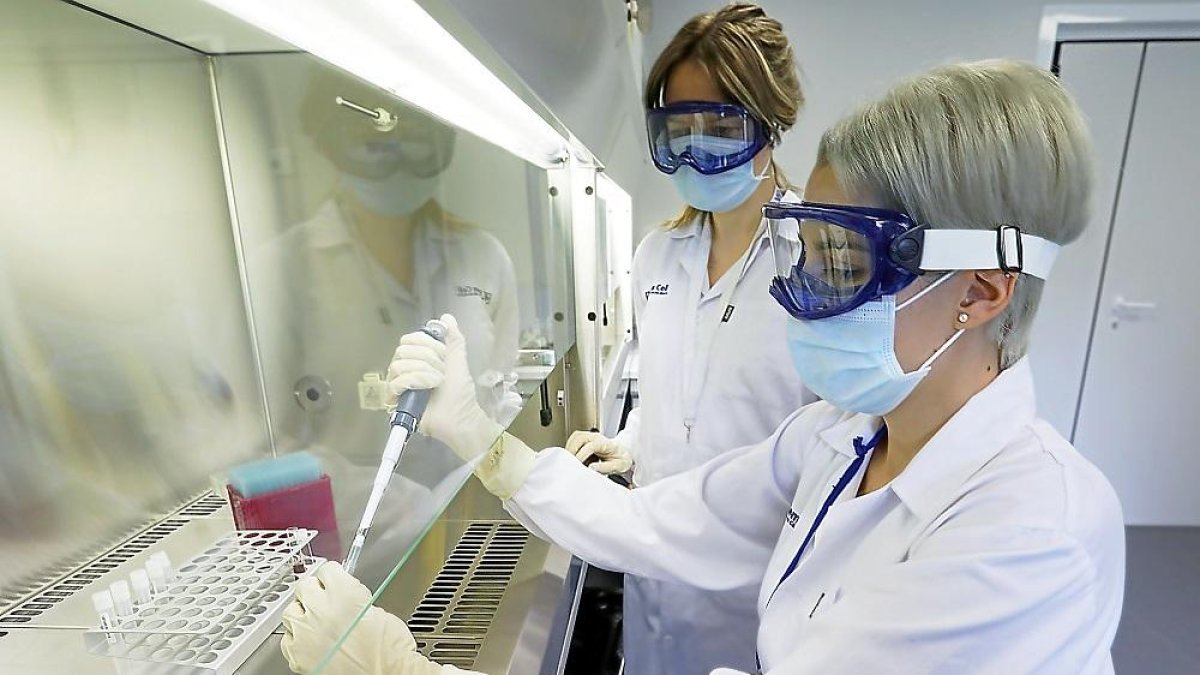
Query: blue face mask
{"type": "Point", "coordinates": [850, 359]}
{"type": "Point", "coordinates": [399, 194]}
{"type": "Point", "coordinates": [719, 192]}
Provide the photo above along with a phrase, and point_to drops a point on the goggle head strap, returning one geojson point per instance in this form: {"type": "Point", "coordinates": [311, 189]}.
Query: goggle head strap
{"type": "Point", "coordinates": [1005, 248]}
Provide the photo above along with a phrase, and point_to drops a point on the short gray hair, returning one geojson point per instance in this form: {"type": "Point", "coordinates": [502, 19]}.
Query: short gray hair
{"type": "Point", "coordinates": [974, 146]}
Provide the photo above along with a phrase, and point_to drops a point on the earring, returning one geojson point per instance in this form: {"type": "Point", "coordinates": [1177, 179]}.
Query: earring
{"type": "Point", "coordinates": [963, 317]}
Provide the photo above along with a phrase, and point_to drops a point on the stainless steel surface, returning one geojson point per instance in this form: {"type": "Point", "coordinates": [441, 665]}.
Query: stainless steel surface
{"type": "Point", "coordinates": [563, 624]}
{"type": "Point", "coordinates": [454, 616]}
{"type": "Point", "coordinates": [239, 249]}
{"type": "Point", "coordinates": [176, 259]}
{"type": "Point", "coordinates": [25, 610]}
{"type": "Point", "coordinates": [126, 376]}
{"type": "Point", "coordinates": [539, 594]}
{"type": "Point", "coordinates": [517, 636]}
{"type": "Point", "coordinates": [219, 608]}
{"type": "Point", "coordinates": [589, 263]}
{"type": "Point", "coordinates": [53, 642]}
{"type": "Point", "coordinates": [59, 588]}
{"type": "Point", "coordinates": [353, 238]}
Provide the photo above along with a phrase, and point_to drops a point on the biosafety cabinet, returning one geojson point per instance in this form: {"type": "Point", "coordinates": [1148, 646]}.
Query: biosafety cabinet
{"type": "Point", "coordinates": [217, 220]}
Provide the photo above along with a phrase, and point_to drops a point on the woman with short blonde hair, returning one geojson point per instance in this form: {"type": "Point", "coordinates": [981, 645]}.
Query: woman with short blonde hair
{"type": "Point", "coordinates": [921, 519]}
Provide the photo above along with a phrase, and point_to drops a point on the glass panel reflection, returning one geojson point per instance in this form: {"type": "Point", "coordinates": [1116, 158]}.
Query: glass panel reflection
{"type": "Point", "coordinates": [356, 233]}
{"type": "Point", "coordinates": [125, 366]}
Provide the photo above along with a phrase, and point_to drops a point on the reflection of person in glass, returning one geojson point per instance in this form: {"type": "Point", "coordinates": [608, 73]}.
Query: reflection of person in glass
{"type": "Point", "coordinates": [376, 259]}
{"type": "Point", "coordinates": [416, 259]}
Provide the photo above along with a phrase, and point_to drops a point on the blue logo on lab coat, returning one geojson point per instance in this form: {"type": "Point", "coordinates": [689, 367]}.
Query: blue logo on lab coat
{"type": "Point", "coordinates": [469, 291]}
{"type": "Point", "coordinates": [657, 289]}
{"type": "Point", "coordinates": [792, 518]}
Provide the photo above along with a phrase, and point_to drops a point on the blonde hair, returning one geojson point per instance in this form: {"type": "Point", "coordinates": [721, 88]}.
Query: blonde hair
{"type": "Point", "coordinates": [975, 146]}
{"type": "Point", "coordinates": [749, 58]}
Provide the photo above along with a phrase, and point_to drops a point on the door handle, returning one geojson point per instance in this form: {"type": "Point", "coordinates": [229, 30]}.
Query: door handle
{"type": "Point", "coordinates": [1123, 309]}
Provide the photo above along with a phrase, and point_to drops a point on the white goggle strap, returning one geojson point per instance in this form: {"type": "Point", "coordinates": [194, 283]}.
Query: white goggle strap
{"type": "Point", "coordinates": [1005, 248]}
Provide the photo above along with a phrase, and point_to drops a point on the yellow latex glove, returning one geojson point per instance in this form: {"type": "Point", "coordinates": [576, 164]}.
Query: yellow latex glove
{"type": "Point", "coordinates": [324, 607]}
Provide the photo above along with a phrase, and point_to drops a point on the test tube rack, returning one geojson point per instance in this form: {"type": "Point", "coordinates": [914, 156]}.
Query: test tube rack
{"type": "Point", "coordinates": [220, 607]}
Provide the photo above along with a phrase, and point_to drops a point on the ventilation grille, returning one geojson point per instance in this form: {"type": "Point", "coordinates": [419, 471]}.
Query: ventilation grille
{"type": "Point", "coordinates": [203, 506]}
{"type": "Point", "coordinates": [36, 598]}
{"type": "Point", "coordinates": [24, 599]}
{"type": "Point", "coordinates": [452, 619]}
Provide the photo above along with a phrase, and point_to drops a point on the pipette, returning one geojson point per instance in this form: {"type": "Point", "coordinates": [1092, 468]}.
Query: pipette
{"type": "Point", "coordinates": [409, 408]}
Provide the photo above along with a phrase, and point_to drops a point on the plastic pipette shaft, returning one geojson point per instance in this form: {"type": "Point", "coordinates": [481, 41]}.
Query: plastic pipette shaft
{"type": "Point", "coordinates": [391, 456]}
{"type": "Point", "coordinates": [409, 408]}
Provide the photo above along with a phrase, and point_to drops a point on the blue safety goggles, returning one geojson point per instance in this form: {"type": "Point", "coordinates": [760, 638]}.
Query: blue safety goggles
{"type": "Point", "coordinates": [709, 137]}
{"type": "Point", "coordinates": [831, 259]}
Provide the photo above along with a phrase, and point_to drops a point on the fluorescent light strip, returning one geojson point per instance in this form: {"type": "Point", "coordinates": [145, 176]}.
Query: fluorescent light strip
{"type": "Point", "coordinates": [397, 46]}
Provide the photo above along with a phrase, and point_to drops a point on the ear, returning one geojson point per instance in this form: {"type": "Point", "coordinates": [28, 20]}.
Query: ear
{"type": "Point", "coordinates": [987, 297]}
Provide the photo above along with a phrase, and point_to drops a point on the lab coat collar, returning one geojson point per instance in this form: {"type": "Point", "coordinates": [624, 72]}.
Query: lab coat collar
{"type": "Point", "coordinates": [687, 230]}
{"type": "Point", "coordinates": [330, 229]}
{"type": "Point", "coordinates": [970, 439]}
{"type": "Point", "coordinates": [840, 437]}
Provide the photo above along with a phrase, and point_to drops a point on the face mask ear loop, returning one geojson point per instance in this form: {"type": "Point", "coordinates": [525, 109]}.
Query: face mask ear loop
{"type": "Point", "coordinates": [953, 338]}
{"type": "Point", "coordinates": [941, 350]}
{"type": "Point", "coordinates": [925, 290]}
{"type": "Point", "coordinates": [768, 170]}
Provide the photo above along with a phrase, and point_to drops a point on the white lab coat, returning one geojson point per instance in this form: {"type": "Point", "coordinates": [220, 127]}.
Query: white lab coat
{"type": "Point", "coordinates": [333, 312]}
{"type": "Point", "coordinates": [999, 550]}
{"type": "Point", "coordinates": [329, 310]}
{"type": "Point", "coordinates": [733, 385]}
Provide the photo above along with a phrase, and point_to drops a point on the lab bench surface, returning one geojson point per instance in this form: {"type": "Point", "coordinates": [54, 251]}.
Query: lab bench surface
{"type": "Point", "coordinates": [517, 640]}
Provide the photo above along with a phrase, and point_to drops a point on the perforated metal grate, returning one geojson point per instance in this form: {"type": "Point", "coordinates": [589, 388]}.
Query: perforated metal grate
{"type": "Point", "coordinates": [452, 619]}
{"type": "Point", "coordinates": [53, 588]}
{"type": "Point", "coordinates": [24, 599]}
{"type": "Point", "coordinates": [221, 605]}
{"type": "Point", "coordinates": [203, 506]}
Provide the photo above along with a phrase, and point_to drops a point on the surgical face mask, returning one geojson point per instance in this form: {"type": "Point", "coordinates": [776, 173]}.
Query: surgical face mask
{"type": "Point", "coordinates": [399, 194]}
{"type": "Point", "coordinates": [719, 192]}
{"type": "Point", "coordinates": [850, 359]}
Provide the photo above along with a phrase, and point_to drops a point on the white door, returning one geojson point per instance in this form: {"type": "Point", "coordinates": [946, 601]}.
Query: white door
{"type": "Point", "coordinates": [1103, 77]}
{"type": "Point", "coordinates": [1140, 397]}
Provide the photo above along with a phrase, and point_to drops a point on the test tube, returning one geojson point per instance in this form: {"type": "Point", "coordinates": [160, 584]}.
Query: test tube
{"type": "Point", "coordinates": [141, 586]}
{"type": "Point", "coordinates": [165, 562]}
{"type": "Point", "coordinates": [122, 598]}
{"type": "Point", "coordinates": [158, 576]}
{"type": "Point", "coordinates": [298, 559]}
{"type": "Point", "coordinates": [103, 602]}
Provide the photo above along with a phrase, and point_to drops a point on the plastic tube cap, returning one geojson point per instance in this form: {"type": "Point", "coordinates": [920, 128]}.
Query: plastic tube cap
{"type": "Point", "coordinates": [157, 575]}
{"type": "Point", "coordinates": [122, 598]}
{"type": "Point", "coordinates": [141, 585]}
{"type": "Point", "coordinates": [160, 558]}
{"type": "Point", "coordinates": [103, 602]}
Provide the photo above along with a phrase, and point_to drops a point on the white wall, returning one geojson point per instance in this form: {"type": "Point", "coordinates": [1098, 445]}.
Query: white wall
{"type": "Point", "coordinates": [851, 50]}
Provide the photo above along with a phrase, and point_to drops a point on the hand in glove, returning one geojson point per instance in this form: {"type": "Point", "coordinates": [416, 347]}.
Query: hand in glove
{"type": "Point", "coordinates": [324, 607]}
{"type": "Point", "coordinates": [612, 456]}
{"type": "Point", "coordinates": [453, 415]}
